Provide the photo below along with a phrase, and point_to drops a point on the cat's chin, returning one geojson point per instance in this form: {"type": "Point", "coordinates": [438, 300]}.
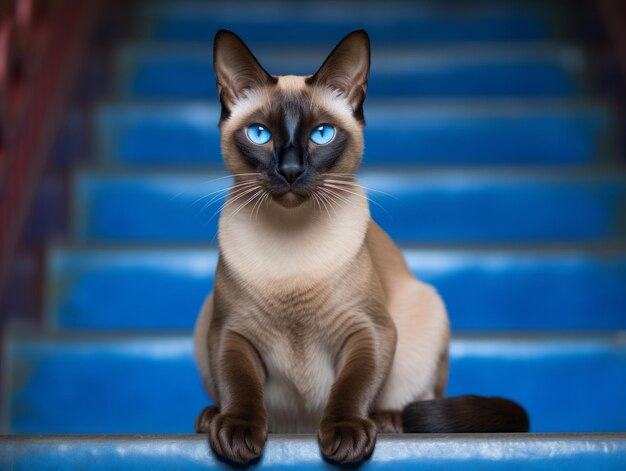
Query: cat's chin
{"type": "Point", "coordinates": [290, 200]}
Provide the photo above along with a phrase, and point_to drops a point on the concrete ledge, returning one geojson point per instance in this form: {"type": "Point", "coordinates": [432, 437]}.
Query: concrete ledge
{"type": "Point", "coordinates": [191, 452]}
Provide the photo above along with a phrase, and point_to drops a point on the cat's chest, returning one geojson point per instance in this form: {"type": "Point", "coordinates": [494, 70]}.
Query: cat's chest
{"type": "Point", "coordinates": [298, 244]}
{"type": "Point", "coordinates": [299, 378]}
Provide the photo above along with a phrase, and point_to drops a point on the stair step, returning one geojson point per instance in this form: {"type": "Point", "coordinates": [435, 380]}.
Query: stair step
{"type": "Point", "coordinates": [403, 22]}
{"type": "Point", "coordinates": [301, 452]}
{"type": "Point", "coordinates": [397, 132]}
{"type": "Point", "coordinates": [484, 289]}
{"type": "Point", "coordinates": [546, 70]}
{"type": "Point", "coordinates": [141, 383]}
{"type": "Point", "coordinates": [436, 206]}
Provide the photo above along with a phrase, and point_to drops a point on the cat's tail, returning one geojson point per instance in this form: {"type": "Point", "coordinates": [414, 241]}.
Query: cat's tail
{"type": "Point", "coordinates": [465, 414]}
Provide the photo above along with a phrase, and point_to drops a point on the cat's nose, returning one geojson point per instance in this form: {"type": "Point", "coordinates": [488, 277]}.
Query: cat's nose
{"type": "Point", "coordinates": [290, 166]}
{"type": "Point", "coordinates": [291, 172]}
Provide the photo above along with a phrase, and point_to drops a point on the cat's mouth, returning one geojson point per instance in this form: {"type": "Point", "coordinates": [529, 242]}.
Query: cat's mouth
{"type": "Point", "coordinates": [290, 199]}
{"type": "Point", "coordinates": [290, 195]}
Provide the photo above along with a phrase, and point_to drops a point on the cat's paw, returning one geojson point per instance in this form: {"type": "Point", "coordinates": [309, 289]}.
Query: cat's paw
{"type": "Point", "coordinates": [236, 439]}
{"type": "Point", "coordinates": [388, 421]}
{"type": "Point", "coordinates": [203, 422]}
{"type": "Point", "coordinates": [347, 440]}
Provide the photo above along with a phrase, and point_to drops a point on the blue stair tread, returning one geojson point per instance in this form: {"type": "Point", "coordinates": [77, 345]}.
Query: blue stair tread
{"type": "Point", "coordinates": [301, 452]}
{"type": "Point", "coordinates": [484, 289]}
{"type": "Point", "coordinates": [389, 22]}
{"type": "Point", "coordinates": [104, 383]}
{"type": "Point", "coordinates": [397, 132]}
{"type": "Point", "coordinates": [549, 70]}
{"type": "Point", "coordinates": [440, 206]}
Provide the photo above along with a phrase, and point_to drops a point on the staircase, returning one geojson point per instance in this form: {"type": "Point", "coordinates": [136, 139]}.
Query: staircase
{"type": "Point", "coordinates": [494, 144]}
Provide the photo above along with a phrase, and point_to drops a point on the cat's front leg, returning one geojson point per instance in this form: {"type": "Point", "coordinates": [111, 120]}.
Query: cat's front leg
{"type": "Point", "coordinates": [347, 434]}
{"type": "Point", "coordinates": [237, 428]}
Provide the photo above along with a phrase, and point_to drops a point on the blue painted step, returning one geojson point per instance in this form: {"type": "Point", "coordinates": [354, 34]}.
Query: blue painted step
{"type": "Point", "coordinates": [301, 452]}
{"type": "Point", "coordinates": [149, 71]}
{"type": "Point", "coordinates": [397, 132]}
{"type": "Point", "coordinates": [98, 383]}
{"type": "Point", "coordinates": [423, 206]}
{"type": "Point", "coordinates": [484, 289]}
{"type": "Point", "coordinates": [390, 22]}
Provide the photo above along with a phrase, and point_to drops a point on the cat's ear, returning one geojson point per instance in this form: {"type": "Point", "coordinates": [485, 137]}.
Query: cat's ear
{"type": "Point", "coordinates": [236, 68]}
{"type": "Point", "coordinates": [347, 68]}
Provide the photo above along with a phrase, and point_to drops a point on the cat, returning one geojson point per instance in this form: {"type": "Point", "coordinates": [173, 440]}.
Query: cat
{"type": "Point", "coordinates": [316, 323]}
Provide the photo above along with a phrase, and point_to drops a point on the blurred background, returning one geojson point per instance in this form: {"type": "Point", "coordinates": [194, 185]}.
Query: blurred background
{"type": "Point", "coordinates": [494, 130]}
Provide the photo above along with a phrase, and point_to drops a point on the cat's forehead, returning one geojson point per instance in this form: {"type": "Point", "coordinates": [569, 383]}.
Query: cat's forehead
{"type": "Point", "coordinates": [294, 88]}
{"type": "Point", "coordinates": [291, 97]}
{"type": "Point", "coordinates": [293, 84]}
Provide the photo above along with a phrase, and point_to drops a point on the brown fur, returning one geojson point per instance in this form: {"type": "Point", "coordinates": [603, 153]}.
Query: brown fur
{"type": "Point", "coordinates": [388, 421]}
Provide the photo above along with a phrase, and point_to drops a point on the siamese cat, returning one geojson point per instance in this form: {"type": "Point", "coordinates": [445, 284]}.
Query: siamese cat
{"type": "Point", "coordinates": [316, 324]}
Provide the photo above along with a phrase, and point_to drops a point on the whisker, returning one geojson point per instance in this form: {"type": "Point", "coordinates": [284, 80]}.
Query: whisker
{"type": "Point", "coordinates": [215, 198]}
{"type": "Point", "coordinates": [326, 199]}
{"type": "Point", "coordinates": [339, 188]}
{"type": "Point", "coordinates": [321, 202]}
{"type": "Point", "coordinates": [242, 192]}
{"type": "Point", "coordinates": [231, 175]}
{"type": "Point", "coordinates": [359, 195]}
{"type": "Point", "coordinates": [237, 186]}
{"type": "Point", "coordinates": [259, 192]}
{"type": "Point", "coordinates": [354, 183]}
{"type": "Point", "coordinates": [204, 182]}
{"type": "Point", "coordinates": [255, 205]}
{"type": "Point", "coordinates": [222, 190]}
{"type": "Point", "coordinates": [232, 192]}
{"type": "Point", "coordinates": [312, 201]}
{"type": "Point", "coordinates": [258, 202]}
{"type": "Point", "coordinates": [266, 199]}
{"type": "Point", "coordinates": [231, 200]}
{"type": "Point", "coordinates": [334, 196]}
{"type": "Point", "coordinates": [345, 175]}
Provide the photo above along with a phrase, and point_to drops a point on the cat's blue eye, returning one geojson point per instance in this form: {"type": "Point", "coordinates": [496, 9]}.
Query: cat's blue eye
{"type": "Point", "coordinates": [258, 134]}
{"type": "Point", "coordinates": [323, 134]}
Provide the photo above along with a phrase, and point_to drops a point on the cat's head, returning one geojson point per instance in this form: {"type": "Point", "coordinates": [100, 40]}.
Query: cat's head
{"type": "Point", "coordinates": [288, 134]}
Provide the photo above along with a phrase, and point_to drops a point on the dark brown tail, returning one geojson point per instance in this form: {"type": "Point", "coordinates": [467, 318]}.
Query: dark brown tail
{"type": "Point", "coordinates": [465, 414]}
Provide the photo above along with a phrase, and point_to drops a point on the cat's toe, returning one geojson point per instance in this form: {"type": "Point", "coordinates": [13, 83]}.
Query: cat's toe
{"type": "Point", "coordinates": [347, 440]}
{"type": "Point", "coordinates": [203, 422]}
{"type": "Point", "coordinates": [238, 440]}
{"type": "Point", "coordinates": [389, 421]}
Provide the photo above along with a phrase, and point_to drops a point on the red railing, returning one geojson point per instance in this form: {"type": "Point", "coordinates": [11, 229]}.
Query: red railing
{"type": "Point", "coordinates": [613, 13]}
{"type": "Point", "coordinates": [40, 46]}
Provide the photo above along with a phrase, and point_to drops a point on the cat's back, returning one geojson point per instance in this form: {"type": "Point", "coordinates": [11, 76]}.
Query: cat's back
{"type": "Point", "coordinates": [419, 369]}
{"type": "Point", "coordinates": [405, 295]}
